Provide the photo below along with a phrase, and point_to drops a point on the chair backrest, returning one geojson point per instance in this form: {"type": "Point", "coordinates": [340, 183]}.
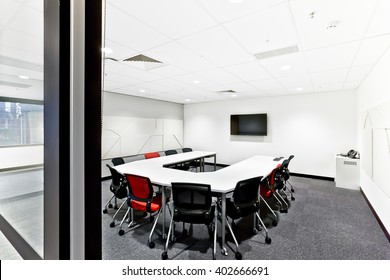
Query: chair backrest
{"type": "Point", "coordinates": [246, 192]}
{"type": "Point", "coordinates": [117, 161]}
{"type": "Point", "coordinates": [265, 191]}
{"type": "Point", "coordinates": [151, 155]}
{"type": "Point", "coordinates": [192, 202]}
{"type": "Point", "coordinates": [116, 185]}
{"type": "Point", "coordinates": [170, 152]}
{"type": "Point", "coordinates": [275, 178]}
{"type": "Point", "coordinates": [186, 150]}
{"type": "Point", "coordinates": [140, 188]}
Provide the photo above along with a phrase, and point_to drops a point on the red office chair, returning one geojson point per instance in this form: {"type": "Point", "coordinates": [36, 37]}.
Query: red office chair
{"type": "Point", "coordinates": [143, 198]}
{"type": "Point", "coordinates": [276, 184]}
{"type": "Point", "coordinates": [265, 193]}
{"type": "Point", "coordinates": [152, 155]}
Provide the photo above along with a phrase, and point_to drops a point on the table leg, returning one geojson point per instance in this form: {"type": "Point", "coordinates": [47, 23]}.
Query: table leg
{"type": "Point", "coordinates": [223, 224]}
{"type": "Point", "coordinates": [163, 212]}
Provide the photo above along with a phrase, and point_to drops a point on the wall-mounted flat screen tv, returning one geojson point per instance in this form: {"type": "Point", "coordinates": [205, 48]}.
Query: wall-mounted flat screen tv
{"type": "Point", "coordinates": [250, 124]}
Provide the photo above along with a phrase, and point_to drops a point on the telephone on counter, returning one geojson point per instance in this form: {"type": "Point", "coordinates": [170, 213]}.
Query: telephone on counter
{"type": "Point", "coordinates": [351, 154]}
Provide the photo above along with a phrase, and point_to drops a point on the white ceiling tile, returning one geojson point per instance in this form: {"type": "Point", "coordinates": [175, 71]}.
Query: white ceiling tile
{"type": "Point", "coordinates": [264, 31]}
{"type": "Point", "coordinates": [224, 10]}
{"type": "Point", "coordinates": [351, 18]}
{"type": "Point", "coordinates": [327, 77]}
{"type": "Point", "coordinates": [126, 69]}
{"type": "Point", "coordinates": [372, 49]}
{"type": "Point", "coordinates": [130, 32]}
{"type": "Point", "coordinates": [175, 54]}
{"type": "Point", "coordinates": [295, 61]}
{"type": "Point", "coordinates": [21, 53]}
{"type": "Point", "coordinates": [269, 87]}
{"type": "Point", "coordinates": [29, 20]}
{"type": "Point", "coordinates": [380, 23]}
{"type": "Point", "coordinates": [217, 46]}
{"type": "Point", "coordinates": [16, 71]}
{"type": "Point", "coordinates": [219, 76]}
{"type": "Point", "coordinates": [168, 71]}
{"type": "Point", "coordinates": [250, 71]}
{"type": "Point", "coordinates": [8, 11]}
{"type": "Point", "coordinates": [119, 51]}
{"type": "Point", "coordinates": [351, 85]}
{"type": "Point", "coordinates": [291, 83]}
{"type": "Point", "coordinates": [22, 41]}
{"type": "Point", "coordinates": [174, 18]}
{"type": "Point", "coordinates": [358, 73]}
{"type": "Point", "coordinates": [329, 58]}
{"type": "Point", "coordinates": [328, 87]}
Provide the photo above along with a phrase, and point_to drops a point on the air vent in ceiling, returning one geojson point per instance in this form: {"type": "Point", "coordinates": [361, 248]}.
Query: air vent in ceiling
{"type": "Point", "coordinates": [142, 58]}
{"type": "Point", "coordinates": [228, 92]}
{"type": "Point", "coordinates": [277, 52]}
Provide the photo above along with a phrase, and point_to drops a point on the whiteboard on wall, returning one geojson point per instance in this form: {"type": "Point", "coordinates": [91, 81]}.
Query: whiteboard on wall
{"type": "Point", "coordinates": [124, 136]}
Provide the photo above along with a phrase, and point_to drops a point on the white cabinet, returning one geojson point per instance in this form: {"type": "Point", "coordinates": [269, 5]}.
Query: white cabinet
{"type": "Point", "coordinates": [347, 172]}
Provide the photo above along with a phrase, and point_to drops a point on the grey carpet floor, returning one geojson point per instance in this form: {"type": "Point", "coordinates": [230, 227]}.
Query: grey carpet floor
{"type": "Point", "coordinates": [323, 223]}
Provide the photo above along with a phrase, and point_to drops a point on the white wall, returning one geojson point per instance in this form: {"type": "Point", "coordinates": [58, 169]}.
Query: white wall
{"type": "Point", "coordinates": [313, 127]}
{"type": "Point", "coordinates": [374, 91]}
{"type": "Point", "coordinates": [133, 125]}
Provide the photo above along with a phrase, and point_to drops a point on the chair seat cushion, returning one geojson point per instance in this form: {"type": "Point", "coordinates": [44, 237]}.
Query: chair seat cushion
{"type": "Point", "coordinates": [194, 216]}
{"type": "Point", "coordinates": [233, 212]}
{"type": "Point", "coordinates": [155, 205]}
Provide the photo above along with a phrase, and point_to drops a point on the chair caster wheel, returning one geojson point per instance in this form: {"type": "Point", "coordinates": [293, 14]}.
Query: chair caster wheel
{"type": "Point", "coordinates": [164, 255]}
{"type": "Point", "coordinates": [254, 231]}
{"type": "Point", "coordinates": [104, 211]}
{"type": "Point", "coordinates": [112, 224]}
{"type": "Point", "coordinates": [292, 198]}
{"type": "Point", "coordinates": [268, 240]}
{"type": "Point", "coordinates": [274, 223]}
{"type": "Point", "coordinates": [292, 190]}
{"type": "Point", "coordinates": [151, 244]}
{"type": "Point", "coordinates": [238, 256]}
{"type": "Point", "coordinates": [116, 207]}
{"type": "Point", "coordinates": [184, 232]}
{"type": "Point", "coordinates": [121, 232]}
{"type": "Point", "coordinates": [110, 205]}
{"type": "Point", "coordinates": [283, 210]}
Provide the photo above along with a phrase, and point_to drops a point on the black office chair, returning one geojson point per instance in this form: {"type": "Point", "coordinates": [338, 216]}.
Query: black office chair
{"type": "Point", "coordinates": [245, 201]}
{"type": "Point", "coordinates": [117, 161]}
{"type": "Point", "coordinates": [118, 188]}
{"type": "Point", "coordinates": [170, 152]}
{"type": "Point", "coordinates": [192, 203]}
{"type": "Point", "coordinates": [286, 176]}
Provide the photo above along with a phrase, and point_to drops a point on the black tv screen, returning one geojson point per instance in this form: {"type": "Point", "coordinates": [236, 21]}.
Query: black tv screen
{"type": "Point", "coordinates": [251, 124]}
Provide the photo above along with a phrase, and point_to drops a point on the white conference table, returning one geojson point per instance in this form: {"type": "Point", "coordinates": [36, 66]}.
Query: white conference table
{"type": "Point", "coordinates": [222, 181]}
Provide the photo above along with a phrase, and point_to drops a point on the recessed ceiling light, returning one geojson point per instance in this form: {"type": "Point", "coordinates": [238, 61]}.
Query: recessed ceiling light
{"type": "Point", "coordinates": [285, 67]}
{"type": "Point", "coordinates": [107, 50]}
{"type": "Point", "coordinates": [299, 89]}
{"type": "Point", "coordinates": [142, 90]}
{"type": "Point", "coordinates": [24, 77]}
{"type": "Point", "coordinates": [196, 82]}
{"type": "Point", "coordinates": [188, 100]}
{"type": "Point", "coordinates": [234, 95]}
